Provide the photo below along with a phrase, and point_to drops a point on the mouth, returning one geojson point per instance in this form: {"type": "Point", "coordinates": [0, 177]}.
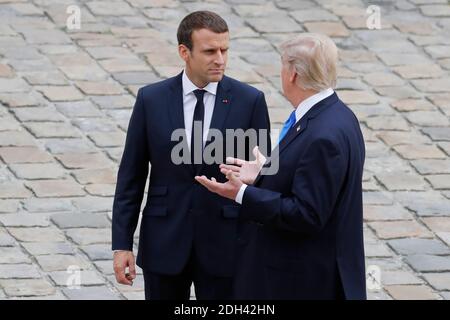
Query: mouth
{"type": "Point", "coordinates": [216, 70]}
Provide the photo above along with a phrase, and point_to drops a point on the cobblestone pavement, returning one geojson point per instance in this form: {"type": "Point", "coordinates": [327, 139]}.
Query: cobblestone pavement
{"type": "Point", "coordinates": [66, 97]}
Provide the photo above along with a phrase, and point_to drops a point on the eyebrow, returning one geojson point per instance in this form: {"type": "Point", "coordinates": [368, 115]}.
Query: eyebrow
{"type": "Point", "coordinates": [214, 49]}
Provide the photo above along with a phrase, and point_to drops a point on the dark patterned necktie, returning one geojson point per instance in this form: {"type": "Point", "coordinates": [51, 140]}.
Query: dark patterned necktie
{"type": "Point", "coordinates": [197, 131]}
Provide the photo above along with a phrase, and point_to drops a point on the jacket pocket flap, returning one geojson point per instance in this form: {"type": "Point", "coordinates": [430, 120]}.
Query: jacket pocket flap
{"type": "Point", "coordinates": [230, 211]}
{"type": "Point", "coordinates": [157, 191]}
{"type": "Point", "coordinates": [156, 211]}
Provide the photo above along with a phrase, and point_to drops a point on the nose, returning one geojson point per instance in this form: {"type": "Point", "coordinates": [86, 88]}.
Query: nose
{"type": "Point", "coordinates": [219, 59]}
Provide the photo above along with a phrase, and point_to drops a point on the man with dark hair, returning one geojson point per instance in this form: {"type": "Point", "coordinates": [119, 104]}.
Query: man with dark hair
{"type": "Point", "coordinates": [187, 234]}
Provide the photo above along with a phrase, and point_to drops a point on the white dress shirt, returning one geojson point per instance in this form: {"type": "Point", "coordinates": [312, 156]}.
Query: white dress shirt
{"type": "Point", "coordinates": [300, 111]}
{"type": "Point", "coordinates": [189, 102]}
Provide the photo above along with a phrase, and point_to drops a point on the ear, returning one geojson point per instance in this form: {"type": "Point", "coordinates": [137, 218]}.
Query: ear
{"type": "Point", "coordinates": [293, 76]}
{"type": "Point", "coordinates": [183, 51]}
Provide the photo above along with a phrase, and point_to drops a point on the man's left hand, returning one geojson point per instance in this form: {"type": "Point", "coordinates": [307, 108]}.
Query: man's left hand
{"type": "Point", "coordinates": [228, 189]}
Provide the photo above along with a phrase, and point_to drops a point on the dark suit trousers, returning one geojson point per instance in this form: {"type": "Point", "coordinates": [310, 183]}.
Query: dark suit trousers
{"type": "Point", "coordinates": [177, 287]}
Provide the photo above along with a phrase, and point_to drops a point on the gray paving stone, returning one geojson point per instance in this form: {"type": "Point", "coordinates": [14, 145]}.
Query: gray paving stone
{"type": "Point", "coordinates": [438, 134]}
{"type": "Point", "coordinates": [38, 114]}
{"type": "Point", "coordinates": [28, 287]}
{"type": "Point", "coordinates": [13, 190]}
{"type": "Point", "coordinates": [87, 278]}
{"type": "Point", "coordinates": [72, 160]}
{"type": "Point", "coordinates": [9, 206]}
{"type": "Point", "coordinates": [143, 78]}
{"type": "Point", "coordinates": [24, 220]}
{"type": "Point", "coordinates": [431, 166]}
{"type": "Point", "coordinates": [36, 234]}
{"type": "Point", "coordinates": [55, 188]}
{"type": "Point", "coordinates": [88, 125]}
{"type": "Point", "coordinates": [37, 171]}
{"type": "Point", "coordinates": [98, 251]}
{"type": "Point", "coordinates": [396, 59]}
{"type": "Point", "coordinates": [419, 246]}
{"type": "Point", "coordinates": [419, 151]}
{"type": "Point", "coordinates": [429, 263]}
{"type": "Point", "coordinates": [87, 176]}
{"type": "Point", "coordinates": [58, 146]}
{"type": "Point", "coordinates": [19, 271]}
{"type": "Point", "coordinates": [399, 277]}
{"type": "Point", "coordinates": [13, 85]}
{"type": "Point", "coordinates": [439, 51]}
{"type": "Point", "coordinates": [93, 204]}
{"type": "Point", "coordinates": [76, 109]}
{"type": "Point", "coordinates": [439, 281]}
{"type": "Point", "coordinates": [24, 155]}
{"type": "Point", "coordinates": [61, 262]}
{"type": "Point", "coordinates": [108, 139]}
{"type": "Point", "coordinates": [386, 212]}
{"type": "Point", "coordinates": [411, 292]}
{"type": "Point", "coordinates": [48, 205]}
{"type": "Point", "coordinates": [377, 198]}
{"type": "Point", "coordinates": [16, 139]}
{"type": "Point", "coordinates": [52, 130]}
{"type": "Point", "coordinates": [402, 181]}
{"type": "Point", "coordinates": [439, 182]}
{"type": "Point", "coordinates": [12, 255]}
{"type": "Point", "coordinates": [86, 236]}
{"type": "Point", "coordinates": [48, 248]}
{"type": "Point", "coordinates": [79, 220]}
{"type": "Point", "coordinates": [113, 8]}
{"type": "Point", "coordinates": [5, 239]}
{"type": "Point", "coordinates": [92, 293]}
{"type": "Point", "coordinates": [425, 204]}
{"type": "Point", "coordinates": [388, 123]}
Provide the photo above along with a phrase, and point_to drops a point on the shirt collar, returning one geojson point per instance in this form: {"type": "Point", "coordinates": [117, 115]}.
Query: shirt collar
{"type": "Point", "coordinates": [308, 103]}
{"type": "Point", "coordinates": [189, 87]}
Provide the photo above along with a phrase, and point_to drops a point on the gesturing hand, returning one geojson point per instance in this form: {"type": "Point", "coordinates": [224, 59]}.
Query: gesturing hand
{"type": "Point", "coordinates": [246, 171]}
{"type": "Point", "coordinates": [228, 189]}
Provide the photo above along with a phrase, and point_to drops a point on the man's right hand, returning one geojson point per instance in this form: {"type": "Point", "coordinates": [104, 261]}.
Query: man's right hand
{"type": "Point", "coordinates": [122, 260]}
{"type": "Point", "coordinates": [246, 171]}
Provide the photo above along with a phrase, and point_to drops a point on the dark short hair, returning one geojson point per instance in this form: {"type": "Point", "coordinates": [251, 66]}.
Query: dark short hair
{"type": "Point", "coordinates": [199, 20]}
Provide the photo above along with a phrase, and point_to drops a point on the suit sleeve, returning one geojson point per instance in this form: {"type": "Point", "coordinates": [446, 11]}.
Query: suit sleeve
{"type": "Point", "coordinates": [315, 189]}
{"type": "Point", "coordinates": [261, 120]}
{"type": "Point", "coordinates": [131, 179]}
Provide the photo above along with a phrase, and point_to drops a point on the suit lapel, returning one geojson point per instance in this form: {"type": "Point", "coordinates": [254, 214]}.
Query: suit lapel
{"type": "Point", "coordinates": [175, 103]}
{"type": "Point", "coordinates": [222, 106]}
{"type": "Point", "coordinates": [297, 129]}
{"type": "Point", "coordinates": [176, 111]}
{"type": "Point", "coordinates": [293, 133]}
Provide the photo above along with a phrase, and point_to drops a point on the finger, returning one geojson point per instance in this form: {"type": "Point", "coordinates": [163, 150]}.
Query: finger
{"type": "Point", "coordinates": [132, 268]}
{"type": "Point", "coordinates": [225, 171]}
{"type": "Point", "coordinates": [121, 277]}
{"type": "Point", "coordinates": [231, 176]}
{"type": "Point", "coordinates": [236, 161]}
{"type": "Point", "coordinates": [208, 184]}
{"type": "Point", "coordinates": [230, 167]}
{"type": "Point", "coordinates": [258, 155]}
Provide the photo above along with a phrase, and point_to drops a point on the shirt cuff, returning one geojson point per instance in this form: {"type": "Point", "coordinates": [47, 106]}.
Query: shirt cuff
{"type": "Point", "coordinates": [240, 194]}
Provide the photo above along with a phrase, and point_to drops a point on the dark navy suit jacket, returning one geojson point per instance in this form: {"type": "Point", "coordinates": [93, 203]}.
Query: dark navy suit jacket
{"type": "Point", "coordinates": [301, 235]}
{"type": "Point", "coordinates": [180, 214]}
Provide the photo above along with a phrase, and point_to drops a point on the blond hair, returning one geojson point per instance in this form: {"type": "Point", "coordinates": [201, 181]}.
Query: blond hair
{"type": "Point", "coordinates": [314, 58]}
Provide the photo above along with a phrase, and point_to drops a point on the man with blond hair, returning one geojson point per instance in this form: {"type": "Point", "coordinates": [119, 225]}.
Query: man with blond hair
{"type": "Point", "coordinates": [301, 230]}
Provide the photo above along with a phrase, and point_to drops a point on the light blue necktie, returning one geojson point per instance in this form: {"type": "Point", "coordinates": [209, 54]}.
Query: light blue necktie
{"type": "Point", "coordinates": [287, 125]}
